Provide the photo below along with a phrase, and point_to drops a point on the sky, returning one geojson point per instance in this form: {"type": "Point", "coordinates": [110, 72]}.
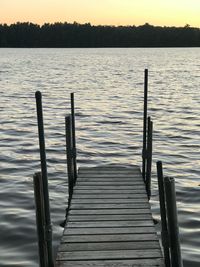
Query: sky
{"type": "Point", "coordinates": [103, 12]}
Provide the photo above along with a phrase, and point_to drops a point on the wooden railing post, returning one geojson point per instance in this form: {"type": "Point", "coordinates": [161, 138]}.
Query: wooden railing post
{"type": "Point", "coordinates": [40, 219]}
{"type": "Point", "coordinates": [149, 157]}
{"type": "Point", "coordinates": [48, 228]}
{"type": "Point", "coordinates": [164, 230]}
{"type": "Point", "coordinates": [73, 136]}
{"type": "Point", "coordinates": [172, 218]}
{"type": "Point", "coordinates": [144, 152]}
{"type": "Point", "coordinates": [70, 167]}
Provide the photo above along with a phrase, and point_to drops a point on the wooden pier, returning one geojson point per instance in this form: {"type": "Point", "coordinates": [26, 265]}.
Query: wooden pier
{"type": "Point", "coordinates": [109, 221]}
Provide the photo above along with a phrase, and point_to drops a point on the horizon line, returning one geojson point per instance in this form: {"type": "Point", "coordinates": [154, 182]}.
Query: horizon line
{"type": "Point", "coordinates": [96, 25]}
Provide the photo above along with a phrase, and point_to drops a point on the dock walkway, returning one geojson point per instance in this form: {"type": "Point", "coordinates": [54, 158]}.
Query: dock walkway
{"type": "Point", "coordinates": [109, 221]}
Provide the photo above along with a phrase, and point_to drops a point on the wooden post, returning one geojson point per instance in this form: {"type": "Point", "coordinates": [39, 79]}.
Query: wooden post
{"type": "Point", "coordinates": [40, 219]}
{"type": "Point", "coordinates": [48, 230]}
{"type": "Point", "coordinates": [73, 136]}
{"type": "Point", "coordinates": [149, 157]}
{"type": "Point", "coordinates": [170, 195]}
{"type": "Point", "coordinates": [164, 231]}
{"type": "Point", "coordinates": [70, 169]}
{"type": "Point", "coordinates": [144, 152]}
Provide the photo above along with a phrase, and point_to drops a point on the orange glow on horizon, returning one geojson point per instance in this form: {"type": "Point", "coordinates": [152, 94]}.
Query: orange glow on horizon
{"type": "Point", "coordinates": [104, 12]}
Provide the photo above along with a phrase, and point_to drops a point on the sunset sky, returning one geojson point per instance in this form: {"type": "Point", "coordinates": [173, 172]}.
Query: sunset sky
{"type": "Point", "coordinates": [104, 12]}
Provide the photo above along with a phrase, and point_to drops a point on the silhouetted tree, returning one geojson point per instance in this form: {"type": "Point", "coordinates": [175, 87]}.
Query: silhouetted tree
{"type": "Point", "coordinates": [86, 35]}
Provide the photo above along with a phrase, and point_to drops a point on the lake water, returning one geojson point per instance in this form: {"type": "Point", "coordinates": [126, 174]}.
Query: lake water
{"type": "Point", "coordinates": [108, 86]}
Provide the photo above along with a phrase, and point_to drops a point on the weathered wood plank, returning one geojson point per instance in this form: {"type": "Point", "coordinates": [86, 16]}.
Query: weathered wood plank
{"type": "Point", "coordinates": [109, 191]}
{"type": "Point", "coordinates": [110, 168]}
{"type": "Point", "coordinates": [115, 254]}
{"type": "Point", "coordinates": [132, 195]}
{"type": "Point", "coordinates": [109, 187]}
{"type": "Point", "coordinates": [109, 246]}
{"type": "Point", "coordinates": [109, 230]}
{"type": "Point", "coordinates": [109, 217]}
{"type": "Point", "coordinates": [119, 176]}
{"type": "Point", "coordinates": [109, 201]}
{"type": "Point", "coordinates": [109, 182]}
{"type": "Point", "coordinates": [109, 224]}
{"type": "Point", "coordinates": [157, 262]}
{"type": "Point", "coordinates": [109, 238]}
{"type": "Point", "coordinates": [107, 211]}
{"type": "Point", "coordinates": [110, 172]}
{"type": "Point", "coordinates": [110, 206]}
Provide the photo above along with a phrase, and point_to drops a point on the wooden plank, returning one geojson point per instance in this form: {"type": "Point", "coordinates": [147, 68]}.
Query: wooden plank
{"type": "Point", "coordinates": [108, 182]}
{"type": "Point", "coordinates": [109, 238]}
{"type": "Point", "coordinates": [109, 246]}
{"type": "Point", "coordinates": [110, 172]}
{"type": "Point", "coordinates": [116, 254]}
{"type": "Point", "coordinates": [109, 187]}
{"type": "Point", "coordinates": [117, 180]}
{"type": "Point", "coordinates": [109, 191]}
{"type": "Point", "coordinates": [111, 201]}
{"type": "Point", "coordinates": [110, 206]}
{"type": "Point", "coordinates": [157, 262]}
{"type": "Point", "coordinates": [110, 168]}
{"type": "Point", "coordinates": [77, 195]}
{"type": "Point", "coordinates": [110, 175]}
{"type": "Point", "coordinates": [109, 217]}
{"type": "Point", "coordinates": [116, 172]}
{"type": "Point", "coordinates": [109, 224]}
{"type": "Point", "coordinates": [107, 211]}
{"type": "Point", "coordinates": [108, 230]}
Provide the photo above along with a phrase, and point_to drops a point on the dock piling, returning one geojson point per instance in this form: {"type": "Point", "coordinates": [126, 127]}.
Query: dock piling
{"type": "Point", "coordinates": [144, 152]}
{"type": "Point", "coordinates": [164, 231]}
{"type": "Point", "coordinates": [40, 219]}
{"type": "Point", "coordinates": [48, 228]}
{"type": "Point", "coordinates": [149, 157]}
{"type": "Point", "coordinates": [173, 230]}
{"type": "Point", "coordinates": [73, 136]}
{"type": "Point", "coordinates": [69, 152]}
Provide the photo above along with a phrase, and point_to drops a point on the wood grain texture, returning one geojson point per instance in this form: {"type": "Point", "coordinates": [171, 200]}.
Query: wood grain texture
{"type": "Point", "coordinates": [110, 224]}
{"type": "Point", "coordinates": [109, 221]}
{"type": "Point", "coordinates": [129, 245]}
{"type": "Point", "coordinates": [109, 230]}
{"type": "Point", "coordinates": [110, 206]}
{"type": "Point", "coordinates": [109, 238]}
{"type": "Point", "coordinates": [111, 201]}
{"type": "Point", "coordinates": [132, 195]}
{"type": "Point", "coordinates": [110, 211]}
{"type": "Point", "coordinates": [110, 217]}
{"type": "Point", "coordinates": [113, 263]}
{"type": "Point", "coordinates": [115, 254]}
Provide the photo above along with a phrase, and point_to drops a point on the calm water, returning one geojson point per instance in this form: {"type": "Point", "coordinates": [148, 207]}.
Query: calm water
{"type": "Point", "coordinates": [108, 84]}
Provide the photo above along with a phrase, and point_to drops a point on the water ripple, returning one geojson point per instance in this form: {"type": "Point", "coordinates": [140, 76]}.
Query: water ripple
{"type": "Point", "coordinates": [108, 84]}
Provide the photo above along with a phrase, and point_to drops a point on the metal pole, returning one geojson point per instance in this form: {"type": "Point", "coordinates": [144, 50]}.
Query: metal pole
{"type": "Point", "coordinates": [69, 156]}
{"type": "Point", "coordinates": [73, 137]}
{"type": "Point", "coordinates": [40, 219]}
{"type": "Point", "coordinates": [48, 227]}
{"type": "Point", "coordinates": [149, 157]}
{"type": "Point", "coordinates": [175, 249]}
{"type": "Point", "coordinates": [145, 124]}
{"type": "Point", "coordinates": [164, 232]}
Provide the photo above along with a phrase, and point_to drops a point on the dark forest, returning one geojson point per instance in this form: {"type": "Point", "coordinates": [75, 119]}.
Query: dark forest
{"type": "Point", "coordinates": [85, 35]}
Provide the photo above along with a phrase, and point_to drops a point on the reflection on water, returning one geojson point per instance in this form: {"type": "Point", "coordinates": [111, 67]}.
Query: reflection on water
{"type": "Point", "coordinates": [108, 86]}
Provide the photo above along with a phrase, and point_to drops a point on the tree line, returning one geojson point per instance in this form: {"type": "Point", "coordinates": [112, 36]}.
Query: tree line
{"type": "Point", "coordinates": [86, 35]}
